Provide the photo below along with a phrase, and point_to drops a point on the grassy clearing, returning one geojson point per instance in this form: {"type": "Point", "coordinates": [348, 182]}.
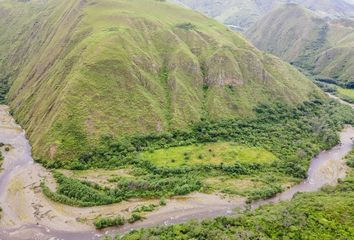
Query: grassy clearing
{"type": "Point", "coordinates": [210, 153]}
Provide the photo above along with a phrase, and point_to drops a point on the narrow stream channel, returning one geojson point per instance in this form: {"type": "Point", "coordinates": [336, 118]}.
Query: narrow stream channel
{"type": "Point", "coordinates": [24, 207]}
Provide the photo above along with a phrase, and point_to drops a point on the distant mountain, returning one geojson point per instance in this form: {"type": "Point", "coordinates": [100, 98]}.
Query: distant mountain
{"type": "Point", "coordinates": [237, 13]}
{"type": "Point", "coordinates": [79, 70]}
{"type": "Point", "coordinates": [322, 46]}
{"type": "Point", "coordinates": [330, 8]}
{"type": "Point", "coordinates": [241, 14]}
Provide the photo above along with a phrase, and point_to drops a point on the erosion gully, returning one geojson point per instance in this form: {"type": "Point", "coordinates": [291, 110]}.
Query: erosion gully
{"type": "Point", "coordinates": [27, 214]}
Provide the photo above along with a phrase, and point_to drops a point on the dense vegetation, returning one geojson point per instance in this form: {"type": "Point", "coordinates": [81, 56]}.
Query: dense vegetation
{"type": "Point", "coordinates": [1, 159]}
{"type": "Point", "coordinates": [102, 222]}
{"type": "Point", "coordinates": [293, 135]}
{"type": "Point", "coordinates": [327, 214]}
{"type": "Point", "coordinates": [5, 148]}
{"type": "Point", "coordinates": [4, 88]}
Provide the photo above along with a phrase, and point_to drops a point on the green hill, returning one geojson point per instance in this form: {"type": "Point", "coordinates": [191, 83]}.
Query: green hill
{"type": "Point", "coordinates": [79, 70]}
{"type": "Point", "coordinates": [320, 46]}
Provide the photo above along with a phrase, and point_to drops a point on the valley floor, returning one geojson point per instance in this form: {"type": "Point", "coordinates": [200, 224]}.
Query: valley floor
{"type": "Point", "coordinates": [27, 212]}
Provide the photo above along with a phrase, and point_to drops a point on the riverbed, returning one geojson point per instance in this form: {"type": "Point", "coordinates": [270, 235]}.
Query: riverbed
{"type": "Point", "coordinates": [28, 214]}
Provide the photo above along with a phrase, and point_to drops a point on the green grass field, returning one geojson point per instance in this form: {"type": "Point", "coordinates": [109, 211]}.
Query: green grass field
{"type": "Point", "coordinates": [211, 153]}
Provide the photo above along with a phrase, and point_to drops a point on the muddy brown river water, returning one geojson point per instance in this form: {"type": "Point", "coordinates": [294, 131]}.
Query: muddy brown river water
{"type": "Point", "coordinates": [27, 214]}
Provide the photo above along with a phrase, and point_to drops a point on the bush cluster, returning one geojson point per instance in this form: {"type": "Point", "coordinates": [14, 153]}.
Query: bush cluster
{"type": "Point", "coordinates": [101, 222]}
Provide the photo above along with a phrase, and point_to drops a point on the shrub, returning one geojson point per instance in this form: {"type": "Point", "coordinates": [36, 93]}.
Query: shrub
{"type": "Point", "coordinates": [186, 26]}
{"type": "Point", "coordinates": [266, 192]}
{"type": "Point", "coordinates": [350, 162]}
{"type": "Point", "coordinates": [135, 217]}
{"type": "Point", "coordinates": [145, 208]}
{"type": "Point", "coordinates": [163, 201]}
{"type": "Point", "coordinates": [101, 223]}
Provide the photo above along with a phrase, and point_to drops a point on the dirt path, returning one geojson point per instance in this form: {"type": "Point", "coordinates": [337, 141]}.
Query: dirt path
{"type": "Point", "coordinates": [28, 214]}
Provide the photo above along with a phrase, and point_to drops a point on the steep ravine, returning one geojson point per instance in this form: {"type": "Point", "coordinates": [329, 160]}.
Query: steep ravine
{"type": "Point", "coordinates": [27, 214]}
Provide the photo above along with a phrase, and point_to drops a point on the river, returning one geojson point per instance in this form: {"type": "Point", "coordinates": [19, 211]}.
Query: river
{"type": "Point", "coordinates": [27, 214]}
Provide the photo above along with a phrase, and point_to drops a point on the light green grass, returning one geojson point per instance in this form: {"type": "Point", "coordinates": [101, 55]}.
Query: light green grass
{"type": "Point", "coordinates": [346, 92]}
{"type": "Point", "coordinates": [211, 153]}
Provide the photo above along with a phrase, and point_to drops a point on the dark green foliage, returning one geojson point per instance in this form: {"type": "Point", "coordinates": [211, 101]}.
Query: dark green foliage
{"type": "Point", "coordinates": [163, 201]}
{"type": "Point", "coordinates": [77, 190]}
{"type": "Point", "coordinates": [78, 193]}
{"type": "Point", "coordinates": [101, 222]}
{"type": "Point", "coordinates": [267, 192]}
{"type": "Point", "coordinates": [145, 208]}
{"type": "Point", "coordinates": [326, 87]}
{"type": "Point", "coordinates": [4, 88]}
{"type": "Point", "coordinates": [135, 217]}
{"type": "Point", "coordinates": [321, 79]}
{"type": "Point", "coordinates": [62, 198]}
{"type": "Point", "coordinates": [350, 162]}
{"type": "Point", "coordinates": [1, 159]}
{"type": "Point", "coordinates": [186, 26]}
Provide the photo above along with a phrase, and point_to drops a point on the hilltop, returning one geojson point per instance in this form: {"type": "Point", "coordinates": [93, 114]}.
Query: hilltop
{"type": "Point", "coordinates": [80, 70]}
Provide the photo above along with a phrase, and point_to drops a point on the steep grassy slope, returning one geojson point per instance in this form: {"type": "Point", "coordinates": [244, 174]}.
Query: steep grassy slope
{"type": "Point", "coordinates": [291, 32]}
{"type": "Point", "coordinates": [242, 14]}
{"type": "Point", "coordinates": [79, 70]}
{"type": "Point", "coordinates": [320, 46]}
{"type": "Point", "coordinates": [336, 61]}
